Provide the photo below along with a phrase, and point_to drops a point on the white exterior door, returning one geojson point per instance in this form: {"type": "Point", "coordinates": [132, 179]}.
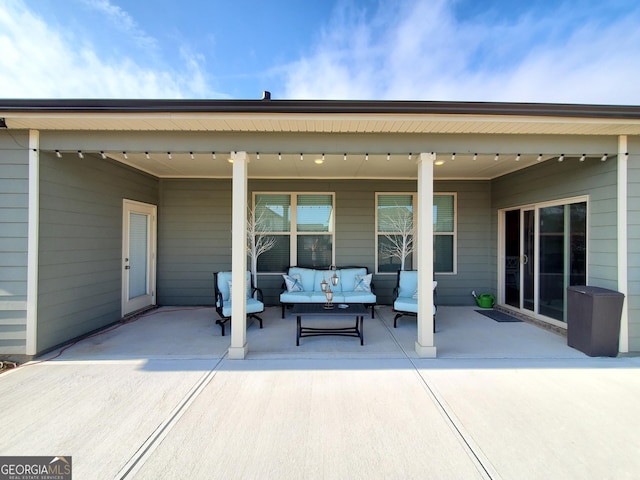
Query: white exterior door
{"type": "Point", "coordinates": [138, 256]}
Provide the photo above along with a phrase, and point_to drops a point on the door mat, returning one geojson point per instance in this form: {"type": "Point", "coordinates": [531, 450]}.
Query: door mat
{"type": "Point", "coordinates": [498, 316]}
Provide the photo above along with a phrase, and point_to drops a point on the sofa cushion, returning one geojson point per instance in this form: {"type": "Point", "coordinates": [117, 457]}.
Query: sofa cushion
{"type": "Point", "coordinates": [307, 276]}
{"type": "Point", "coordinates": [348, 278]}
{"type": "Point", "coordinates": [311, 297]}
{"type": "Point", "coordinates": [322, 275]}
{"type": "Point", "coordinates": [296, 297]}
{"type": "Point", "coordinates": [344, 292]}
{"type": "Point", "coordinates": [357, 297]}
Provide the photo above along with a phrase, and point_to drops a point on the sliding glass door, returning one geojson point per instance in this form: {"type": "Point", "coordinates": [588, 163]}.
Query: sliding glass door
{"type": "Point", "coordinates": [544, 251]}
{"type": "Point", "coordinates": [519, 258]}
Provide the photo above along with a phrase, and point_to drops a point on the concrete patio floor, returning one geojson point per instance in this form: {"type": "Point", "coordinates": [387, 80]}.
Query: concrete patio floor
{"type": "Point", "coordinates": [157, 398]}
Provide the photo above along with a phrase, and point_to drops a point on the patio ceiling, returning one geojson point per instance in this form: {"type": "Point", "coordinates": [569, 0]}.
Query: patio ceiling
{"type": "Point", "coordinates": [334, 166]}
{"type": "Point", "coordinates": [374, 120]}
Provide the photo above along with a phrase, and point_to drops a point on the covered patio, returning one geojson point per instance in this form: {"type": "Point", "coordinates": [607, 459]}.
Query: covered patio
{"type": "Point", "coordinates": [158, 398]}
{"type": "Point", "coordinates": [187, 332]}
{"type": "Point", "coordinates": [186, 173]}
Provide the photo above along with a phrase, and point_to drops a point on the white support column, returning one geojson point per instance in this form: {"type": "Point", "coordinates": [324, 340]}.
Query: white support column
{"type": "Point", "coordinates": [623, 286]}
{"type": "Point", "coordinates": [239, 348]}
{"type": "Point", "coordinates": [32, 243]}
{"type": "Point", "coordinates": [425, 346]}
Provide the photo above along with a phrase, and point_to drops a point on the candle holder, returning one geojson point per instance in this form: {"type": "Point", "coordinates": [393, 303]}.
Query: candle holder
{"type": "Point", "coordinates": [334, 278]}
{"type": "Point", "coordinates": [329, 294]}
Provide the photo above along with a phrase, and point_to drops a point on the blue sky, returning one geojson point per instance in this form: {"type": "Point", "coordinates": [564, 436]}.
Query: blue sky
{"type": "Point", "coordinates": [580, 51]}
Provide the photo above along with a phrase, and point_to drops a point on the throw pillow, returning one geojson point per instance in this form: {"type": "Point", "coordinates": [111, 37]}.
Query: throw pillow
{"type": "Point", "coordinates": [293, 282]}
{"type": "Point", "coordinates": [415, 294]}
{"type": "Point", "coordinates": [363, 283]}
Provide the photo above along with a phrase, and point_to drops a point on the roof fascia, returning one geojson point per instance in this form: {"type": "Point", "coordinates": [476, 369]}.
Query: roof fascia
{"type": "Point", "coordinates": [79, 106]}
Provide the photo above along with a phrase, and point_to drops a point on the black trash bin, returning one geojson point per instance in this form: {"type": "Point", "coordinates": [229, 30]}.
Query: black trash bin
{"type": "Point", "coordinates": [593, 320]}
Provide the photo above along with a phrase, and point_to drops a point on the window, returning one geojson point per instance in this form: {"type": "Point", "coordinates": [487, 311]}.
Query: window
{"type": "Point", "coordinates": [395, 232]}
{"type": "Point", "coordinates": [444, 233]}
{"type": "Point", "coordinates": [394, 220]}
{"type": "Point", "coordinates": [303, 227]}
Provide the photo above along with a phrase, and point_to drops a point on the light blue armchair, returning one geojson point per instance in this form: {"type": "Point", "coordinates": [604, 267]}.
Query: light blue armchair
{"type": "Point", "coordinates": [406, 296]}
{"type": "Point", "coordinates": [222, 291]}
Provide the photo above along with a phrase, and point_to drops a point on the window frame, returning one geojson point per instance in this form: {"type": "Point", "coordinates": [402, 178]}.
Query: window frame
{"type": "Point", "coordinates": [293, 232]}
{"type": "Point", "coordinates": [414, 196]}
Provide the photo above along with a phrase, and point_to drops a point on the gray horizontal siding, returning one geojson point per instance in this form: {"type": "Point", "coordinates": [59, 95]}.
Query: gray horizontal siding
{"type": "Point", "coordinates": [81, 243]}
{"type": "Point", "coordinates": [551, 181]}
{"type": "Point", "coordinates": [14, 226]}
{"type": "Point", "coordinates": [195, 235]}
{"type": "Point", "coordinates": [194, 239]}
{"type": "Point", "coordinates": [633, 261]}
{"type": "Point", "coordinates": [475, 248]}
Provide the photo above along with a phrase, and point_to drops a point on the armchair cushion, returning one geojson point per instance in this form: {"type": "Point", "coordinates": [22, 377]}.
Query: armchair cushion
{"type": "Point", "coordinates": [224, 278]}
{"type": "Point", "coordinates": [408, 283]}
{"type": "Point", "coordinates": [224, 285]}
{"type": "Point", "coordinates": [253, 306]}
{"type": "Point", "coordinates": [407, 292]}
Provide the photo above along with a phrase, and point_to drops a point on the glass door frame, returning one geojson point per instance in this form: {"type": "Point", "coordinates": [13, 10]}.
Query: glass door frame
{"type": "Point", "coordinates": [501, 257]}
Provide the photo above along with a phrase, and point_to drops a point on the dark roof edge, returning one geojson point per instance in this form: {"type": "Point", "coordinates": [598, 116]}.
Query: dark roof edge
{"type": "Point", "coordinates": [319, 107]}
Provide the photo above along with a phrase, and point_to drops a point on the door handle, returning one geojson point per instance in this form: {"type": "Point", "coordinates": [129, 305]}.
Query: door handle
{"type": "Point", "coordinates": [127, 267]}
{"type": "Point", "coordinates": [525, 259]}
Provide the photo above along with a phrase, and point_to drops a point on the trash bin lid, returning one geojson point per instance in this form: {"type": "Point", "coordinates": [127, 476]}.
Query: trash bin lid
{"type": "Point", "coordinates": [594, 291]}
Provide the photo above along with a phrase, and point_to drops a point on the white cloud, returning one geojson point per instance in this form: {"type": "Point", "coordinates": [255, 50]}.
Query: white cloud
{"type": "Point", "coordinates": [122, 21]}
{"type": "Point", "coordinates": [38, 61]}
{"type": "Point", "coordinates": [421, 50]}
{"type": "Point", "coordinates": [409, 49]}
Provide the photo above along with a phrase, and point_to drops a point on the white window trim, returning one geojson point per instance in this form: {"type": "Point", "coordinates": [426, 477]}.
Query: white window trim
{"type": "Point", "coordinates": [293, 232]}
{"type": "Point", "coordinates": [454, 232]}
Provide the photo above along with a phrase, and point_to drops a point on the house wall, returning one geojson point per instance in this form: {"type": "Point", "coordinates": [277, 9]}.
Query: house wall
{"type": "Point", "coordinates": [195, 235]}
{"type": "Point", "coordinates": [14, 222]}
{"type": "Point", "coordinates": [194, 239]}
{"type": "Point", "coordinates": [80, 252]}
{"type": "Point", "coordinates": [554, 180]}
{"type": "Point", "coordinates": [633, 225]}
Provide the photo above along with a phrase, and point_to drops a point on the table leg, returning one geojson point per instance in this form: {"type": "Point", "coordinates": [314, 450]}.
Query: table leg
{"type": "Point", "coordinates": [298, 330]}
{"type": "Point", "coordinates": [362, 330]}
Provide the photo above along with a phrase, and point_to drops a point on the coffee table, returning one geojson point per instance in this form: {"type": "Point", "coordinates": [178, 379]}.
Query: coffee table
{"type": "Point", "coordinates": [309, 310]}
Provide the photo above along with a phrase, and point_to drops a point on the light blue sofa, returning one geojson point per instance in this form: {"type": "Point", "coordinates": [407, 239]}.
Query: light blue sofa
{"type": "Point", "coordinates": [406, 296]}
{"type": "Point", "coordinates": [304, 285]}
